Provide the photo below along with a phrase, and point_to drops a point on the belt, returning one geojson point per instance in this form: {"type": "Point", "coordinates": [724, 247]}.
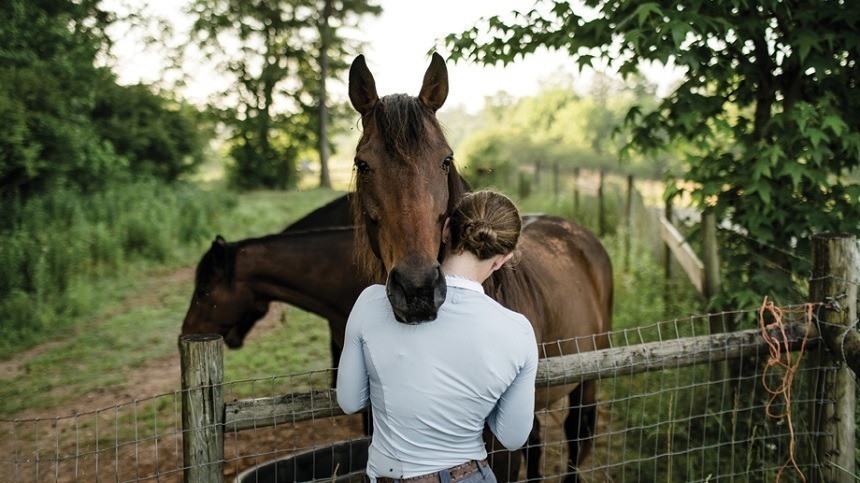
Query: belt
{"type": "Point", "coordinates": [458, 473]}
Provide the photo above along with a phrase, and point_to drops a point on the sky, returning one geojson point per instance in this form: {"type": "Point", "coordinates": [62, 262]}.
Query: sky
{"type": "Point", "coordinates": [398, 42]}
{"type": "Point", "coordinates": [397, 48]}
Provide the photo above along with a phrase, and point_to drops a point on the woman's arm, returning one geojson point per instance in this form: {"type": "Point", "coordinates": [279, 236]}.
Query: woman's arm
{"type": "Point", "coordinates": [512, 418]}
{"type": "Point", "coordinates": [353, 389]}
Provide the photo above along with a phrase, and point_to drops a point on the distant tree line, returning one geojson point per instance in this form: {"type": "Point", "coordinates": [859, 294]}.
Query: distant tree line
{"type": "Point", "coordinates": [563, 125]}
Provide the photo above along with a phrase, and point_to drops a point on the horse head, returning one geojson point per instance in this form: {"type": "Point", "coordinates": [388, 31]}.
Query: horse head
{"type": "Point", "coordinates": [221, 304]}
{"type": "Point", "coordinates": [406, 185]}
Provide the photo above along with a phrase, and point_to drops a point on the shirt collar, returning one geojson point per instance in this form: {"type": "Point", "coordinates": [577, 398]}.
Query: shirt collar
{"type": "Point", "coordinates": [463, 282]}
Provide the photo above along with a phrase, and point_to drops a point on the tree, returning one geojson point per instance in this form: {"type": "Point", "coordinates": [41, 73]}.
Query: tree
{"type": "Point", "coordinates": [768, 112]}
{"type": "Point", "coordinates": [155, 136]}
{"type": "Point", "coordinates": [342, 12]}
{"type": "Point", "coordinates": [47, 84]}
{"type": "Point", "coordinates": [65, 121]}
{"type": "Point", "coordinates": [279, 54]}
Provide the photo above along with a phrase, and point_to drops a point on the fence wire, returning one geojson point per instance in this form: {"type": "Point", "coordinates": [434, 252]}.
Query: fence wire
{"type": "Point", "coordinates": [708, 422]}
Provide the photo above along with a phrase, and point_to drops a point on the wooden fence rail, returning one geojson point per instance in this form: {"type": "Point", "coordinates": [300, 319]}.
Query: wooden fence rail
{"type": "Point", "coordinates": [205, 412]}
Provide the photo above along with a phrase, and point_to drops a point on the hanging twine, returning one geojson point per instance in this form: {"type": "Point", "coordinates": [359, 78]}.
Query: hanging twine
{"type": "Point", "coordinates": [789, 366]}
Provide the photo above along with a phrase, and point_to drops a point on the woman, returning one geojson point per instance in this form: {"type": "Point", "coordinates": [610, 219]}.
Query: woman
{"type": "Point", "coordinates": [434, 385]}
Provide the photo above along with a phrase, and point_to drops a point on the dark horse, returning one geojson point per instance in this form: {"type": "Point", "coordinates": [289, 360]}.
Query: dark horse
{"type": "Point", "coordinates": [236, 282]}
{"type": "Point", "coordinates": [406, 185]}
{"type": "Point", "coordinates": [310, 265]}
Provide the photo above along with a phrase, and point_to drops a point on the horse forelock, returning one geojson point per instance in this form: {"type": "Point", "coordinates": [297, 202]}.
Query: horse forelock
{"type": "Point", "coordinates": [404, 123]}
{"type": "Point", "coordinates": [209, 264]}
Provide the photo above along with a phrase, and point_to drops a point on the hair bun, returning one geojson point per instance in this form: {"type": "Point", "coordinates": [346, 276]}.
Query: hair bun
{"type": "Point", "coordinates": [480, 234]}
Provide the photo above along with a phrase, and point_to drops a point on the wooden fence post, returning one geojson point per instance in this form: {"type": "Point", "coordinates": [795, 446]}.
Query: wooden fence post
{"type": "Point", "coordinates": [202, 365]}
{"type": "Point", "coordinates": [523, 188]}
{"type": "Point", "coordinates": [834, 284]}
{"type": "Point", "coordinates": [710, 255]}
{"type": "Point", "coordinates": [667, 261]}
{"type": "Point", "coordinates": [667, 252]}
{"type": "Point", "coordinates": [555, 182]}
{"type": "Point", "coordinates": [631, 192]}
{"type": "Point", "coordinates": [601, 209]}
{"type": "Point", "coordinates": [575, 191]}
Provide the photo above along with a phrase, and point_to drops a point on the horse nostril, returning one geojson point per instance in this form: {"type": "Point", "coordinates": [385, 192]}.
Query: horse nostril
{"type": "Point", "coordinates": [440, 288]}
{"type": "Point", "coordinates": [396, 288]}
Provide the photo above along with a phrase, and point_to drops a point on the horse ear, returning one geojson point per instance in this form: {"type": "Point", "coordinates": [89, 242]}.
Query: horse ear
{"type": "Point", "coordinates": [362, 87]}
{"type": "Point", "coordinates": [219, 240]}
{"type": "Point", "coordinates": [434, 90]}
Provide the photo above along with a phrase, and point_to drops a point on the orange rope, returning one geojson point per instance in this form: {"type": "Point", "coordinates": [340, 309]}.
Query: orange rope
{"type": "Point", "coordinates": [777, 359]}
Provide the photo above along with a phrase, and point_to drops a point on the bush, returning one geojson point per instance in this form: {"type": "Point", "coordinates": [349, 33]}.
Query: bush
{"type": "Point", "coordinates": [51, 243]}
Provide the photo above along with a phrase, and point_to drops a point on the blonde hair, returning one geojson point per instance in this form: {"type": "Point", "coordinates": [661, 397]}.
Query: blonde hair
{"type": "Point", "coordinates": [485, 223]}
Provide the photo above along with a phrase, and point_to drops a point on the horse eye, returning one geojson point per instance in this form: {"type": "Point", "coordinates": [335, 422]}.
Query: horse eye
{"type": "Point", "coordinates": [362, 167]}
{"type": "Point", "coordinates": [446, 163]}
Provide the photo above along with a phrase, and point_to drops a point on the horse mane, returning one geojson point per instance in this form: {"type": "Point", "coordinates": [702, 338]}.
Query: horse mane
{"type": "Point", "coordinates": [403, 123]}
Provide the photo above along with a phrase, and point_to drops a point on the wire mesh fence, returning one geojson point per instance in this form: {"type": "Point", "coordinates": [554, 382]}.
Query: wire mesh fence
{"type": "Point", "coordinates": [661, 416]}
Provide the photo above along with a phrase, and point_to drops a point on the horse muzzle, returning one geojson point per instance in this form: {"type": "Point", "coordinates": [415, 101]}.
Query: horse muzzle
{"type": "Point", "coordinates": [416, 295]}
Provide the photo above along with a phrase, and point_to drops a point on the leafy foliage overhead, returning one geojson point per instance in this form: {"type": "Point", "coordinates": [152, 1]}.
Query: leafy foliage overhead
{"type": "Point", "coordinates": [768, 114]}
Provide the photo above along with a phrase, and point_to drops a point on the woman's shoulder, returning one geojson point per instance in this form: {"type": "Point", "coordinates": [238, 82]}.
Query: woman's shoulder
{"type": "Point", "coordinates": [371, 302]}
{"type": "Point", "coordinates": [514, 318]}
{"type": "Point", "coordinates": [371, 296]}
{"type": "Point", "coordinates": [373, 292]}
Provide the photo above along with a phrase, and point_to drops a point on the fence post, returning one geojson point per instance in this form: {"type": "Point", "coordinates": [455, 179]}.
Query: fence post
{"type": "Point", "coordinates": [601, 210]}
{"type": "Point", "coordinates": [631, 192]}
{"type": "Point", "coordinates": [575, 191]}
{"type": "Point", "coordinates": [202, 365]}
{"type": "Point", "coordinates": [710, 255]}
{"type": "Point", "coordinates": [834, 284]}
{"type": "Point", "coordinates": [555, 182]}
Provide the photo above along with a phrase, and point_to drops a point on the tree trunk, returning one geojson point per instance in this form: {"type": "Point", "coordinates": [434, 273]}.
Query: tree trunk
{"type": "Point", "coordinates": [322, 136]}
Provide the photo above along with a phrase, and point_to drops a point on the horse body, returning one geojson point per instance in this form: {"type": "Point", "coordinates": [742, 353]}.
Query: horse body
{"type": "Point", "coordinates": [407, 185]}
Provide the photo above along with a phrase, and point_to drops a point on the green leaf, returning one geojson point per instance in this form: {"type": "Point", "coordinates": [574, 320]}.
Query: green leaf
{"type": "Point", "coordinates": [646, 9]}
{"type": "Point", "coordinates": [806, 41]}
{"type": "Point", "coordinates": [794, 170]}
{"type": "Point", "coordinates": [761, 168]}
{"type": "Point", "coordinates": [835, 123]}
{"type": "Point", "coordinates": [816, 136]}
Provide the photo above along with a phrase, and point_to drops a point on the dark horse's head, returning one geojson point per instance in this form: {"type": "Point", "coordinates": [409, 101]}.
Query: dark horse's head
{"type": "Point", "coordinates": [406, 185]}
{"type": "Point", "coordinates": [221, 304]}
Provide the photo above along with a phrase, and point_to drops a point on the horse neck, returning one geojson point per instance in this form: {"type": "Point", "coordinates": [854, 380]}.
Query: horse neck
{"type": "Point", "coordinates": [313, 270]}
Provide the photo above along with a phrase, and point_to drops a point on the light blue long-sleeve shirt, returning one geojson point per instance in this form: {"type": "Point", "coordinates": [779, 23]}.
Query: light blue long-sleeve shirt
{"type": "Point", "coordinates": [433, 385]}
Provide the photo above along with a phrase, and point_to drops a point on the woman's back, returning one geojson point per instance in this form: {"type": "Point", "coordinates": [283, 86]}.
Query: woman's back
{"type": "Point", "coordinates": [434, 384]}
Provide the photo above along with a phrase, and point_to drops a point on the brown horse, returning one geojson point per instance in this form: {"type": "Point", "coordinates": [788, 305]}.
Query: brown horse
{"type": "Point", "coordinates": [406, 186]}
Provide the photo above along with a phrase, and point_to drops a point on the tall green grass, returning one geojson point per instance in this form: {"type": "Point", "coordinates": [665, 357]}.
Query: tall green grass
{"type": "Point", "coordinates": [53, 246]}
